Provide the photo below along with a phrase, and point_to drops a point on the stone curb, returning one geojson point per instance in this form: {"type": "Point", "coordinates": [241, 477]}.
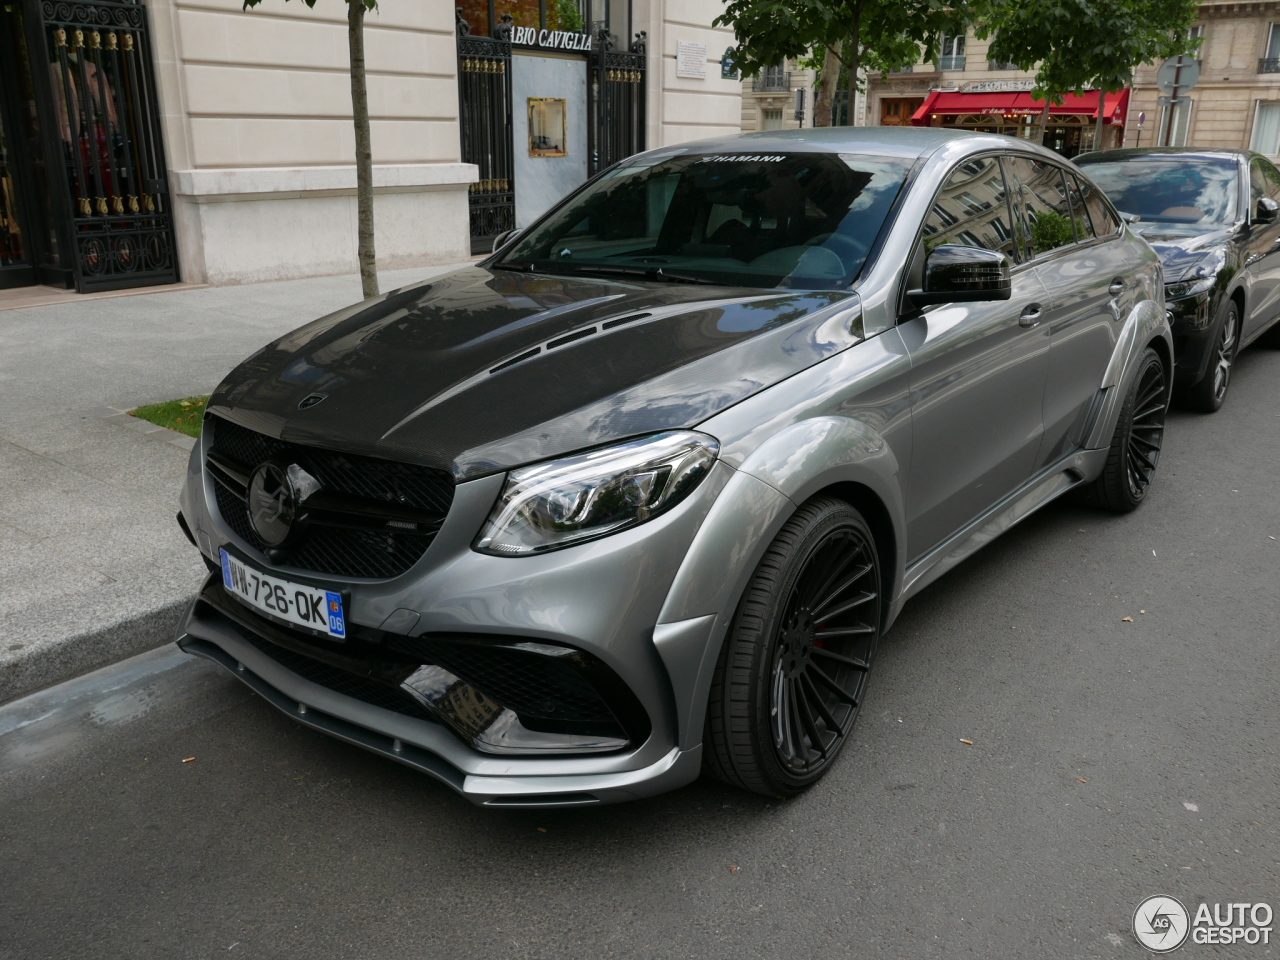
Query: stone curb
{"type": "Point", "coordinates": [47, 664]}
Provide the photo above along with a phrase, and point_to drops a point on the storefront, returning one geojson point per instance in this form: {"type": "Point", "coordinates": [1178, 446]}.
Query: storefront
{"type": "Point", "coordinates": [84, 200]}
{"type": "Point", "coordinates": [549, 94]}
{"type": "Point", "coordinates": [1007, 107]}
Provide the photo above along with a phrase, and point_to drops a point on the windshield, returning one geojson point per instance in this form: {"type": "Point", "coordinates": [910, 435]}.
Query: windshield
{"type": "Point", "coordinates": [802, 220]}
{"type": "Point", "coordinates": [1199, 192]}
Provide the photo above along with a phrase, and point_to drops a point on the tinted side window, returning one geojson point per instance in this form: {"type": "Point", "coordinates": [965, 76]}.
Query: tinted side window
{"type": "Point", "coordinates": [1272, 176]}
{"type": "Point", "coordinates": [1043, 215]}
{"type": "Point", "coordinates": [1257, 184]}
{"type": "Point", "coordinates": [971, 209]}
{"type": "Point", "coordinates": [1105, 222]}
{"type": "Point", "coordinates": [1079, 215]}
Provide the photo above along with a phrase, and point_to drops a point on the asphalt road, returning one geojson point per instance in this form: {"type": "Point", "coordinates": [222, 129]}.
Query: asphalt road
{"type": "Point", "coordinates": [1110, 761]}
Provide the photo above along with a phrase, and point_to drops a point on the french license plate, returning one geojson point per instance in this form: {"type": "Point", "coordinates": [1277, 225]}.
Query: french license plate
{"type": "Point", "coordinates": [305, 606]}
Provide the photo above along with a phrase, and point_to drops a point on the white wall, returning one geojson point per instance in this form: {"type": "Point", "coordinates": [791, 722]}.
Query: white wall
{"type": "Point", "coordinates": [680, 108]}
{"type": "Point", "coordinates": [266, 92]}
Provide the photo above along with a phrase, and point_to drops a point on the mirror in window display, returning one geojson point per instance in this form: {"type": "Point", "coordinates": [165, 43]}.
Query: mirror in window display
{"type": "Point", "coordinates": [1197, 194]}
{"type": "Point", "coordinates": [804, 220]}
{"type": "Point", "coordinates": [1043, 215]}
{"type": "Point", "coordinates": [971, 211]}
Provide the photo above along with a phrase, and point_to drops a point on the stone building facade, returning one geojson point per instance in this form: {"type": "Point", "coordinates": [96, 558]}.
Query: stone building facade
{"type": "Point", "coordinates": [147, 141]}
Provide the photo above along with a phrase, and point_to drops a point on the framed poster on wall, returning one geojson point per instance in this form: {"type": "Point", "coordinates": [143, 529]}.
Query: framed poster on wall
{"type": "Point", "coordinates": [546, 127]}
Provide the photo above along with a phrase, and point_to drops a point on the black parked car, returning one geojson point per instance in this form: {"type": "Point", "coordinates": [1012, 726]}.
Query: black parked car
{"type": "Point", "coordinates": [1212, 217]}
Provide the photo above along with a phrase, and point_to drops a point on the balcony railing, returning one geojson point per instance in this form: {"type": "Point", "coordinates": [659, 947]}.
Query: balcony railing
{"type": "Point", "coordinates": [1269, 65]}
{"type": "Point", "coordinates": [771, 83]}
{"type": "Point", "coordinates": [951, 63]}
{"type": "Point", "coordinates": [997, 65]}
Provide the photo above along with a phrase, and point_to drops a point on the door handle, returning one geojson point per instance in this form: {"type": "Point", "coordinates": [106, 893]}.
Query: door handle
{"type": "Point", "coordinates": [1030, 315]}
{"type": "Point", "coordinates": [1117, 287]}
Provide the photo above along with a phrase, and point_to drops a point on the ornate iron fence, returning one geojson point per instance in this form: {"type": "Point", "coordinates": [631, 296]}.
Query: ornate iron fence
{"type": "Point", "coordinates": [106, 137]}
{"type": "Point", "coordinates": [484, 93]}
{"type": "Point", "coordinates": [617, 108]}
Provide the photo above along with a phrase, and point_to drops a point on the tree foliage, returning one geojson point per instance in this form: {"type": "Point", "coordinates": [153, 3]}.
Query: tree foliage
{"type": "Point", "coordinates": [1075, 45]}
{"type": "Point", "coordinates": [878, 34]}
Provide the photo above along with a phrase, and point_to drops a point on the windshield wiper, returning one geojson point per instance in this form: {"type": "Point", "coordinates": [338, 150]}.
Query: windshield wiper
{"type": "Point", "coordinates": [518, 267]}
{"type": "Point", "coordinates": [640, 273]}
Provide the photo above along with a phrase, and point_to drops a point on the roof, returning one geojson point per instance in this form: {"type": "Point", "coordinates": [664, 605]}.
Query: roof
{"type": "Point", "coordinates": [1136, 153]}
{"type": "Point", "coordinates": [908, 142]}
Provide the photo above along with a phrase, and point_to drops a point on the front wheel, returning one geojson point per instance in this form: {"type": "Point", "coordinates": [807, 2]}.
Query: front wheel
{"type": "Point", "coordinates": [1208, 395]}
{"type": "Point", "coordinates": [793, 668]}
{"type": "Point", "coordinates": [1137, 442]}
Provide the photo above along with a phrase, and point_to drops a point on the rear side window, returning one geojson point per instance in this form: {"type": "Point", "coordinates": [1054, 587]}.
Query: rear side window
{"type": "Point", "coordinates": [1105, 223]}
{"type": "Point", "coordinates": [1042, 213]}
{"type": "Point", "coordinates": [971, 210]}
{"type": "Point", "coordinates": [1079, 215]}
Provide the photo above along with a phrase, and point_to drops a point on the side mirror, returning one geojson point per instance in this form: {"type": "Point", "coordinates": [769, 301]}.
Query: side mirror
{"type": "Point", "coordinates": [504, 238]}
{"type": "Point", "coordinates": [959, 274]}
{"type": "Point", "coordinates": [1267, 211]}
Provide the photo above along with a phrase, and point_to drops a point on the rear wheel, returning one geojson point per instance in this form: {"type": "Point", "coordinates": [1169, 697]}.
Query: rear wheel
{"type": "Point", "coordinates": [1137, 442]}
{"type": "Point", "coordinates": [1208, 395]}
{"type": "Point", "coordinates": [794, 666]}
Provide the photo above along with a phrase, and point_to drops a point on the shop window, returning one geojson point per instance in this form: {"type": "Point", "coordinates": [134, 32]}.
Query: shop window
{"type": "Point", "coordinates": [566, 15]}
{"type": "Point", "coordinates": [983, 225]}
{"type": "Point", "coordinates": [1042, 214]}
{"type": "Point", "coordinates": [476, 15]}
{"type": "Point", "coordinates": [546, 127]}
{"type": "Point", "coordinates": [1266, 128]}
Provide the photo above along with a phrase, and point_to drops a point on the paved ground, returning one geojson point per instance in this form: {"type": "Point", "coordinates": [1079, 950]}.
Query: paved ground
{"type": "Point", "coordinates": [277, 842]}
{"type": "Point", "coordinates": [89, 551]}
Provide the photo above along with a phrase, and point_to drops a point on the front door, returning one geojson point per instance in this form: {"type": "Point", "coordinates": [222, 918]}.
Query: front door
{"type": "Point", "coordinates": [1262, 250]}
{"type": "Point", "coordinates": [977, 372]}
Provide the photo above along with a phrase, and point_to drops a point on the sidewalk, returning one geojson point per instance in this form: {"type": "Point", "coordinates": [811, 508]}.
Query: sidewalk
{"type": "Point", "coordinates": [93, 566]}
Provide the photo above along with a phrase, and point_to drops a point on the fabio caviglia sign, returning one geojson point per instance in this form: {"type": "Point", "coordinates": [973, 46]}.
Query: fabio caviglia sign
{"type": "Point", "coordinates": [550, 39]}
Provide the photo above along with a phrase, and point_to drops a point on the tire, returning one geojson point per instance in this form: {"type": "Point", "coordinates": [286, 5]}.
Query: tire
{"type": "Point", "coordinates": [1136, 444]}
{"type": "Point", "coordinates": [794, 665]}
{"type": "Point", "coordinates": [1208, 395]}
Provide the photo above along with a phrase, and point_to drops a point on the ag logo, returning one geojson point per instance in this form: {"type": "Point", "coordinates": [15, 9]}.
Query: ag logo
{"type": "Point", "coordinates": [1161, 924]}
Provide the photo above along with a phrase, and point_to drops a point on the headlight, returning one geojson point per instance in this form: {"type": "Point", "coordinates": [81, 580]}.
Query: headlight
{"type": "Point", "coordinates": [551, 505]}
{"type": "Point", "coordinates": [1188, 288]}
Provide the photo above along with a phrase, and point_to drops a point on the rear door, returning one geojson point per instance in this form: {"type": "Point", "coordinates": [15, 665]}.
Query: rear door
{"type": "Point", "coordinates": [1087, 271]}
{"type": "Point", "coordinates": [977, 370]}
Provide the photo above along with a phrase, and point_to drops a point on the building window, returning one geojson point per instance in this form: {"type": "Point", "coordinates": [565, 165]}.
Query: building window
{"type": "Point", "coordinates": [1270, 63]}
{"type": "Point", "coordinates": [952, 57]}
{"type": "Point", "coordinates": [771, 118]}
{"type": "Point", "coordinates": [1175, 135]}
{"type": "Point", "coordinates": [775, 79]}
{"type": "Point", "coordinates": [1266, 128]}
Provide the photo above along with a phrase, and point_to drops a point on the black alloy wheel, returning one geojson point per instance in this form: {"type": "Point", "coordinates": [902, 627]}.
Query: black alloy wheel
{"type": "Point", "coordinates": [1136, 444]}
{"type": "Point", "coordinates": [793, 670]}
{"type": "Point", "coordinates": [1208, 395]}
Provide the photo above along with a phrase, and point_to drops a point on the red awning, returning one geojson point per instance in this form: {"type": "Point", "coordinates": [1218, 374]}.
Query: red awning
{"type": "Point", "coordinates": [1019, 105]}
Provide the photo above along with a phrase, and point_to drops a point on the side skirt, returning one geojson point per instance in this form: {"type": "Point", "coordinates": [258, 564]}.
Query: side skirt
{"type": "Point", "coordinates": [1047, 485]}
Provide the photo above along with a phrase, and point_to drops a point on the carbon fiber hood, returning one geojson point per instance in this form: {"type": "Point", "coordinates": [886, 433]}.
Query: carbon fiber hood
{"type": "Point", "coordinates": [481, 370]}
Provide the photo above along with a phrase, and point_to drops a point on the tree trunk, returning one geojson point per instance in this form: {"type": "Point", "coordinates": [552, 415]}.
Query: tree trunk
{"type": "Point", "coordinates": [827, 88]}
{"type": "Point", "coordinates": [1044, 121]}
{"type": "Point", "coordinates": [855, 59]}
{"type": "Point", "coordinates": [364, 151]}
{"type": "Point", "coordinates": [1097, 130]}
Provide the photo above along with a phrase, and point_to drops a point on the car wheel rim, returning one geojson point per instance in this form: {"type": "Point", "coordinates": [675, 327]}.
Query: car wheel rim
{"type": "Point", "coordinates": [830, 625]}
{"type": "Point", "coordinates": [1226, 355]}
{"type": "Point", "coordinates": [1146, 431]}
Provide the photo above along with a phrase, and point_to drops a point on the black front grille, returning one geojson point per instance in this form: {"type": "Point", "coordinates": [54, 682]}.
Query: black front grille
{"type": "Point", "coordinates": [370, 549]}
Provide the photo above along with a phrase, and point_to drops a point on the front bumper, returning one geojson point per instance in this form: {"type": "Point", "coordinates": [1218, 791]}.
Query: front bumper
{"type": "Point", "coordinates": [1191, 323]}
{"type": "Point", "coordinates": [602, 598]}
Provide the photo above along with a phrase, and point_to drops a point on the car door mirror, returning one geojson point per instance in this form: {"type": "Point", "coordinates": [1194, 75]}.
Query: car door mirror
{"type": "Point", "coordinates": [504, 238]}
{"type": "Point", "coordinates": [960, 274]}
{"type": "Point", "coordinates": [1267, 211]}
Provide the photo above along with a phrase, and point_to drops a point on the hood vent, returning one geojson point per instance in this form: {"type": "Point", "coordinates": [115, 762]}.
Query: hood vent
{"type": "Point", "coordinates": [567, 339]}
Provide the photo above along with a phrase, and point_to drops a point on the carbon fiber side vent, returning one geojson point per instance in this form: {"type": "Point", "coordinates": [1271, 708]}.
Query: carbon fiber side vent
{"type": "Point", "coordinates": [567, 339]}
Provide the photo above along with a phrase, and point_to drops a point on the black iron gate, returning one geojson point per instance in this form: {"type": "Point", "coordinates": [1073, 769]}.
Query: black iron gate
{"type": "Point", "coordinates": [484, 93]}
{"type": "Point", "coordinates": [103, 130]}
{"type": "Point", "coordinates": [616, 128]}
